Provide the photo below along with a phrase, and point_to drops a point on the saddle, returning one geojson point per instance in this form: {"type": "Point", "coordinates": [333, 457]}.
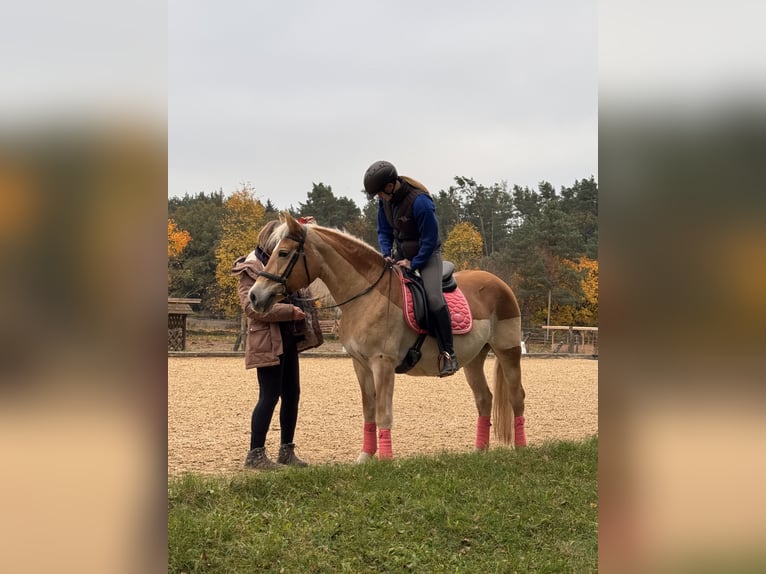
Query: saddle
{"type": "Point", "coordinates": [416, 305]}
{"type": "Point", "coordinates": [415, 308]}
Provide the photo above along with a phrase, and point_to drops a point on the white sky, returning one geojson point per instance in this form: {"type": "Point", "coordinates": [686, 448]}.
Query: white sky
{"type": "Point", "coordinates": [285, 94]}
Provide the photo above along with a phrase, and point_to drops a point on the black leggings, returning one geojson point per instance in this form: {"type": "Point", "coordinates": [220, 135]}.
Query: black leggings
{"type": "Point", "coordinates": [280, 381]}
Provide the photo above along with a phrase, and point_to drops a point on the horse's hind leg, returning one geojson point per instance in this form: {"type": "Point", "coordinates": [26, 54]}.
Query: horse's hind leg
{"type": "Point", "coordinates": [474, 374]}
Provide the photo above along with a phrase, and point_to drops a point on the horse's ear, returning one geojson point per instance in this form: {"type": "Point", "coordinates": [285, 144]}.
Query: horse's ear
{"type": "Point", "coordinates": [292, 224]}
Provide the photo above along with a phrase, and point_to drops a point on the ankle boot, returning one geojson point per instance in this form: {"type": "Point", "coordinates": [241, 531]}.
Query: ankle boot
{"type": "Point", "coordinates": [448, 364]}
{"type": "Point", "coordinates": [287, 455]}
{"type": "Point", "coordinates": [257, 460]}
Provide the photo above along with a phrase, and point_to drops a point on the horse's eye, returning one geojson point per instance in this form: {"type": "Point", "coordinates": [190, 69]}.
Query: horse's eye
{"type": "Point", "coordinates": [284, 252]}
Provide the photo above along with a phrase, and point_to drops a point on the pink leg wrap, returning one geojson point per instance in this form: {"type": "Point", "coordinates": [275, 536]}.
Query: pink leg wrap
{"type": "Point", "coordinates": [520, 437]}
{"type": "Point", "coordinates": [384, 440]}
{"type": "Point", "coordinates": [482, 433]}
{"type": "Point", "coordinates": [370, 444]}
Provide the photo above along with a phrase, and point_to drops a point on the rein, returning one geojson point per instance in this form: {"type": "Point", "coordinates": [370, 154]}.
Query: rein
{"type": "Point", "coordinates": [360, 294]}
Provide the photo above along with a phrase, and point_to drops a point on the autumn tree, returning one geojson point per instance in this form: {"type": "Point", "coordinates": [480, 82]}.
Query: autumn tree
{"type": "Point", "coordinates": [193, 271]}
{"type": "Point", "coordinates": [177, 239]}
{"type": "Point", "coordinates": [463, 246]}
{"type": "Point", "coordinates": [587, 310]}
{"type": "Point", "coordinates": [243, 217]}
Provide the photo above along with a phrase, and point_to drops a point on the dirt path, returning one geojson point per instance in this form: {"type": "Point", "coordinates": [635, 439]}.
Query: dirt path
{"type": "Point", "coordinates": [210, 401]}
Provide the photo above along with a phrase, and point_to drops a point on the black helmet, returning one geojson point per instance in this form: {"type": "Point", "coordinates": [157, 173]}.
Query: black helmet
{"type": "Point", "coordinates": [377, 176]}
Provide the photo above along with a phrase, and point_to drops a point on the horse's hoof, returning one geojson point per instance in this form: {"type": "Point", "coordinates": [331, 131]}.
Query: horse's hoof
{"type": "Point", "coordinates": [363, 457]}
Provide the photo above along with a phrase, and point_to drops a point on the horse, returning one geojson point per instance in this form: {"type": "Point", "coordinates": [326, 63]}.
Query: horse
{"type": "Point", "coordinates": [374, 332]}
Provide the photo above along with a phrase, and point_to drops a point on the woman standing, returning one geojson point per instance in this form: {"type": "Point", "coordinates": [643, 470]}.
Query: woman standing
{"type": "Point", "coordinates": [273, 342]}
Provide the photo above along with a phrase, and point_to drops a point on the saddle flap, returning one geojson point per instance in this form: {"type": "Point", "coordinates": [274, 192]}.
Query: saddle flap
{"type": "Point", "coordinates": [415, 307]}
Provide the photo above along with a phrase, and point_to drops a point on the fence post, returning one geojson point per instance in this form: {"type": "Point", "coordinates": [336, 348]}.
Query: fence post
{"type": "Point", "coordinates": [241, 335]}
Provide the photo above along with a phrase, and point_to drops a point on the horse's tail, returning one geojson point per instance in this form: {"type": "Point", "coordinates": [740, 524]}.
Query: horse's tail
{"type": "Point", "coordinates": [502, 410]}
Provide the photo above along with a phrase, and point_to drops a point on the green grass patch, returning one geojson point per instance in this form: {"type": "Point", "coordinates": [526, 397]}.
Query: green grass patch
{"type": "Point", "coordinates": [531, 510]}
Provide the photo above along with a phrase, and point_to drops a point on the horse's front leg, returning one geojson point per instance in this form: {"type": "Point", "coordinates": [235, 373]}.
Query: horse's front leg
{"type": "Point", "coordinates": [383, 374]}
{"type": "Point", "coordinates": [367, 385]}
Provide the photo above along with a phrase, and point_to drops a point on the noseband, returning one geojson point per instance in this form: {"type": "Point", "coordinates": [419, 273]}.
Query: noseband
{"type": "Point", "coordinates": [282, 279]}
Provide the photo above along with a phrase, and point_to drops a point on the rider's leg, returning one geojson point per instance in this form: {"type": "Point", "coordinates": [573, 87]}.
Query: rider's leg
{"type": "Point", "coordinates": [439, 314]}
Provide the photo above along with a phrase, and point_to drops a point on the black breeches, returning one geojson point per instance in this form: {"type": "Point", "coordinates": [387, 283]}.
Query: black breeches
{"type": "Point", "coordinates": [278, 382]}
{"type": "Point", "coordinates": [432, 282]}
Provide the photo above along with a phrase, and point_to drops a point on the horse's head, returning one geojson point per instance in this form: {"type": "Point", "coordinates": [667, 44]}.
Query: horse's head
{"type": "Point", "coordinates": [287, 270]}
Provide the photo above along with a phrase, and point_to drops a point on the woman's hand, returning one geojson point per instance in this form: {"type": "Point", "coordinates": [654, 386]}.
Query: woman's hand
{"type": "Point", "coordinates": [404, 263]}
{"type": "Point", "coordinates": [298, 314]}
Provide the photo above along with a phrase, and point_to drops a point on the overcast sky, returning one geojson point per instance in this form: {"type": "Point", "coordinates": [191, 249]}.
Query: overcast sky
{"type": "Point", "coordinates": [286, 94]}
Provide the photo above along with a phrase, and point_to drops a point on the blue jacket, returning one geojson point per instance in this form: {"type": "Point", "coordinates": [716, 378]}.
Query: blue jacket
{"type": "Point", "coordinates": [424, 213]}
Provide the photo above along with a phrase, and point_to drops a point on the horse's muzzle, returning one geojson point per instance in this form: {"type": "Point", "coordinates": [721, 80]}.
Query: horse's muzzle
{"type": "Point", "coordinates": [261, 302]}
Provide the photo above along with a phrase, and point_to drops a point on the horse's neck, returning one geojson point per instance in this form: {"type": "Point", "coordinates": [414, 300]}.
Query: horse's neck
{"type": "Point", "coordinates": [347, 269]}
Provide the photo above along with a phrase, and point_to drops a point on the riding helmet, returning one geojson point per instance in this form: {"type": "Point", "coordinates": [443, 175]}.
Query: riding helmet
{"type": "Point", "coordinates": [377, 176]}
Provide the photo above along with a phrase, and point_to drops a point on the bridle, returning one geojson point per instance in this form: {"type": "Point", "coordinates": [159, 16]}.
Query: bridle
{"type": "Point", "coordinates": [282, 279]}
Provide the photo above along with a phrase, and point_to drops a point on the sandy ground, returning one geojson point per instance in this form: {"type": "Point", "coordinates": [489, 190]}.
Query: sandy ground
{"type": "Point", "coordinates": [210, 401]}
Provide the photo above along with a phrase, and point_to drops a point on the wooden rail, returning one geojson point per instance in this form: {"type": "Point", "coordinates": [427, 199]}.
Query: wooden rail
{"type": "Point", "coordinates": [329, 327]}
{"type": "Point", "coordinates": [576, 339]}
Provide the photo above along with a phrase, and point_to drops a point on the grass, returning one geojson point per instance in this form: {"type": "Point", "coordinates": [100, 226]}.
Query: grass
{"type": "Point", "coordinates": [532, 510]}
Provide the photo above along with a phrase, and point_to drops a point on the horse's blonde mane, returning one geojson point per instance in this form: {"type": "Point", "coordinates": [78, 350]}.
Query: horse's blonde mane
{"type": "Point", "coordinates": [281, 231]}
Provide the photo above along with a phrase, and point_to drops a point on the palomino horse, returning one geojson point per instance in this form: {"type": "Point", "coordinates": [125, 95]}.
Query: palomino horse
{"type": "Point", "coordinates": [376, 336]}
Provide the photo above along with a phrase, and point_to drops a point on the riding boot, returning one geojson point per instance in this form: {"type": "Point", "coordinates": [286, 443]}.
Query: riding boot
{"type": "Point", "coordinates": [443, 329]}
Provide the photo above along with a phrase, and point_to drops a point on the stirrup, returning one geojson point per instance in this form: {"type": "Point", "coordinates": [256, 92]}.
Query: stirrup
{"type": "Point", "coordinates": [447, 364]}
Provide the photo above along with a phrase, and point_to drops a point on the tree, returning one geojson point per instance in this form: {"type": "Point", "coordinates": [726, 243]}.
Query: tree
{"type": "Point", "coordinates": [541, 248]}
{"type": "Point", "coordinates": [581, 203]}
{"type": "Point", "coordinates": [193, 273]}
{"type": "Point", "coordinates": [366, 226]}
{"type": "Point", "coordinates": [463, 246]}
{"type": "Point", "coordinates": [327, 209]}
{"type": "Point", "coordinates": [488, 208]}
{"type": "Point", "coordinates": [243, 218]}
{"type": "Point", "coordinates": [177, 239]}
{"type": "Point", "coordinates": [526, 204]}
{"type": "Point", "coordinates": [271, 210]}
{"type": "Point", "coordinates": [449, 210]}
{"type": "Point", "coordinates": [586, 311]}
